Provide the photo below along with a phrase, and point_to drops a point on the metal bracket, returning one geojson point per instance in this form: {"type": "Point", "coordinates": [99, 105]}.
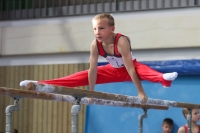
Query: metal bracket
{"type": "Point", "coordinates": [189, 118]}
{"type": "Point", "coordinates": [9, 110]}
{"type": "Point", "coordinates": [77, 101]}
{"type": "Point", "coordinates": [140, 120]}
{"type": "Point", "coordinates": [17, 97]}
{"type": "Point", "coordinates": [74, 113]}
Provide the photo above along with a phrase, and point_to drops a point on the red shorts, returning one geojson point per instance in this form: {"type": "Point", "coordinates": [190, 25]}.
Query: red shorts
{"type": "Point", "coordinates": [109, 74]}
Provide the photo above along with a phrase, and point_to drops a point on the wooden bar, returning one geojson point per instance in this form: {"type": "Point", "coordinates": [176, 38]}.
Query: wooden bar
{"type": "Point", "coordinates": [107, 96]}
{"type": "Point", "coordinates": [122, 104]}
{"type": "Point", "coordinates": [66, 98]}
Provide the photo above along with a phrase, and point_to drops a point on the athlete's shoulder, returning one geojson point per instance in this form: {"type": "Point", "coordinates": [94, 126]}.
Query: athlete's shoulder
{"type": "Point", "coordinates": [181, 129]}
{"type": "Point", "coordinates": [120, 34]}
{"type": "Point", "coordinates": [123, 40]}
{"type": "Point", "coordinates": [94, 42]}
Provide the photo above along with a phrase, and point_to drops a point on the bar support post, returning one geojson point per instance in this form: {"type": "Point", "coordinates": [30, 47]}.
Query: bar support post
{"type": "Point", "coordinates": [189, 118]}
{"type": "Point", "coordinates": [74, 113]}
{"type": "Point", "coordinates": [9, 110]}
{"type": "Point", "coordinates": [140, 121]}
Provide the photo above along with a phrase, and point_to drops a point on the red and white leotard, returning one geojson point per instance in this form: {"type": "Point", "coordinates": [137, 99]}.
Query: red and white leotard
{"type": "Point", "coordinates": [116, 59]}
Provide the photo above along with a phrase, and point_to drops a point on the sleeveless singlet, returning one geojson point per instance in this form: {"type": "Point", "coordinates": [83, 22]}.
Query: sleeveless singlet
{"type": "Point", "coordinates": [116, 59]}
{"type": "Point", "coordinates": [186, 129]}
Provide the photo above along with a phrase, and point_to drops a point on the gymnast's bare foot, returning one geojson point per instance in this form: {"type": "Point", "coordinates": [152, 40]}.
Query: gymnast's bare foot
{"type": "Point", "coordinates": [31, 86]}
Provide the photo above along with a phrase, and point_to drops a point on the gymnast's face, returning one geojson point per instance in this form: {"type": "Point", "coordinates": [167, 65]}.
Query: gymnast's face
{"type": "Point", "coordinates": [102, 30]}
{"type": "Point", "coordinates": [195, 115]}
{"type": "Point", "coordinates": [166, 128]}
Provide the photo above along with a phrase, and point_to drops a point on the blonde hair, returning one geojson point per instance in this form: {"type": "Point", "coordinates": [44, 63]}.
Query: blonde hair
{"type": "Point", "coordinates": [185, 111]}
{"type": "Point", "coordinates": [107, 16]}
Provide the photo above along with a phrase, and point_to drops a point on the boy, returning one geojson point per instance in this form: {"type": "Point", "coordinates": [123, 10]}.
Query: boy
{"type": "Point", "coordinates": [195, 118]}
{"type": "Point", "coordinates": [167, 125]}
{"type": "Point", "coordinates": [122, 66]}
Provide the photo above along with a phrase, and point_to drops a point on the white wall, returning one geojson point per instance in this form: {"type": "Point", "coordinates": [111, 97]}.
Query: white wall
{"type": "Point", "coordinates": [155, 35]}
{"type": "Point", "coordinates": [156, 29]}
{"type": "Point", "coordinates": [56, 35]}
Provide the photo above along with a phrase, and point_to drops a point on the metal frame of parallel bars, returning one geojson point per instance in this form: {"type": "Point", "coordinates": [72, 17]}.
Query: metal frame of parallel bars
{"type": "Point", "coordinates": [9, 110]}
{"type": "Point", "coordinates": [78, 99]}
{"type": "Point", "coordinates": [74, 117]}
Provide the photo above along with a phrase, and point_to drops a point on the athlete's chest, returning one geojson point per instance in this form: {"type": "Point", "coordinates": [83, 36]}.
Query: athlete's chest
{"type": "Point", "coordinates": [195, 130]}
{"type": "Point", "coordinates": [109, 49]}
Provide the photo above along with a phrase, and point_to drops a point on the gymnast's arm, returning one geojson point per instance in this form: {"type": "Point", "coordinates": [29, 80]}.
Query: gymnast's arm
{"type": "Point", "coordinates": [124, 49]}
{"type": "Point", "coordinates": [181, 130]}
{"type": "Point", "coordinates": [92, 72]}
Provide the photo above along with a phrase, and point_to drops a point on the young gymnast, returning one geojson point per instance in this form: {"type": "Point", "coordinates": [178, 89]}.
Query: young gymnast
{"type": "Point", "coordinates": [123, 66]}
{"type": "Point", "coordinates": [167, 125]}
{"type": "Point", "coordinates": [195, 118]}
